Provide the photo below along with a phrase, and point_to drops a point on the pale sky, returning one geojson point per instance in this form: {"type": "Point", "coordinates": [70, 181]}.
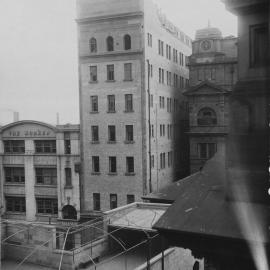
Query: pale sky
{"type": "Point", "coordinates": [38, 52]}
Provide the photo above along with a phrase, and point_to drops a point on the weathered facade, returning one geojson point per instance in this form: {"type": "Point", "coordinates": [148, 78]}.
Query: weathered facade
{"type": "Point", "coordinates": [213, 72]}
{"type": "Point", "coordinates": [39, 180]}
{"type": "Point", "coordinates": [132, 65]}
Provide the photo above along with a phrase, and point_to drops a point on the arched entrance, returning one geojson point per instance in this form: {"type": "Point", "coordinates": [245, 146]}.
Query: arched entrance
{"type": "Point", "coordinates": [69, 212]}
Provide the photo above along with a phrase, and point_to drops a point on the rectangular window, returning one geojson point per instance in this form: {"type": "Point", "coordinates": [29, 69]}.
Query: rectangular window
{"type": "Point", "coordinates": [46, 176]}
{"type": "Point", "coordinates": [259, 45]}
{"type": "Point", "coordinates": [111, 103]}
{"type": "Point", "coordinates": [14, 147]}
{"type": "Point", "coordinates": [149, 40]}
{"type": "Point", "coordinates": [111, 134]}
{"type": "Point", "coordinates": [128, 72]}
{"type": "Point", "coordinates": [47, 206]}
{"type": "Point", "coordinates": [67, 144]}
{"type": "Point", "coordinates": [113, 201]}
{"type": "Point", "coordinates": [93, 73]}
{"type": "Point", "coordinates": [151, 101]}
{"type": "Point", "coordinates": [130, 165]}
{"type": "Point", "coordinates": [95, 135]}
{"type": "Point", "coordinates": [152, 131]}
{"type": "Point", "coordinates": [68, 177]}
{"type": "Point", "coordinates": [130, 198]}
{"type": "Point", "coordinates": [94, 103]}
{"type": "Point", "coordinates": [159, 75]}
{"type": "Point", "coordinates": [213, 74]}
{"type": "Point", "coordinates": [45, 146]}
{"type": "Point", "coordinates": [152, 161]}
{"type": "Point", "coordinates": [162, 160]}
{"type": "Point", "coordinates": [15, 204]}
{"type": "Point", "coordinates": [162, 75]}
{"type": "Point", "coordinates": [112, 165]}
{"type": "Point", "coordinates": [110, 72]}
{"type": "Point", "coordinates": [129, 133]}
{"type": "Point", "coordinates": [95, 164]}
{"type": "Point", "coordinates": [14, 174]}
{"type": "Point", "coordinates": [206, 150]}
{"type": "Point", "coordinates": [96, 201]}
{"type": "Point", "coordinates": [129, 103]}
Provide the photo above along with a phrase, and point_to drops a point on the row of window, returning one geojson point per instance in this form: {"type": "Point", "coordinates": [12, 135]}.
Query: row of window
{"type": "Point", "coordinates": [162, 160]}
{"type": "Point", "coordinates": [111, 108]}
{"type": "Point", "coordinates": [44, 176]}
{"type": "Point", "coordinates": [110, 73]}
{"type": "Point", "coordinates": [93, 46]}
{"type": "Point", "coordinates": [113, 201]}
{"type": "Point", "coordinates": [113, 165]}
{"type": "Point", "coordinates": [178, 81]}
{"type": "Point", "coordinates": [172, 104]}
{"type": "Point", "coordinates": [112, 134]}
{"type": "Point", "coordinates": [44, 206]}
{"type": "Point", "coordinates": [41, 146]}
{"type": "Point", "coordinates": [171, 54]}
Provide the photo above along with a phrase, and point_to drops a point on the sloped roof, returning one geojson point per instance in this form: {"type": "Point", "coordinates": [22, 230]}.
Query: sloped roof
{"type": "Point", "coordinates": [201, 208]}
{"type": "Point", "coordinates": [211, 89]}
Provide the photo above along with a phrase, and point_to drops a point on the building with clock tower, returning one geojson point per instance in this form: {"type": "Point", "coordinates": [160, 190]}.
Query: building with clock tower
{"type": "Point", "coordinates": [213, 72]}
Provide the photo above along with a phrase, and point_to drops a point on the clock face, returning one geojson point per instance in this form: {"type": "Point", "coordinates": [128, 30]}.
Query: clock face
{"type": "Point", "coordinates": [206, 45]}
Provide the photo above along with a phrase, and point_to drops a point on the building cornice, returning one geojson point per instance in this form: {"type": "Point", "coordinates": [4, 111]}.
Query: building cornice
{"type": "Point", "coordinates": [110, 54]}
{"type": "Point", "coordinates": [121, 16]}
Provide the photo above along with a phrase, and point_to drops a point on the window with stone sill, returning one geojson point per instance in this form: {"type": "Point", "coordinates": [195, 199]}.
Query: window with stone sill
{"type": "Point", "coordinates": [47, 206]}
{"type": "Point", "coordinates": [111, 134]}
{"type": "Point", "coordinates": [94, 103]}
{"type": "Point", "coordinates": [129, 134]}
{"type": "Point", "coordinates": [46, 176]}
{"type": "Point", "coordinates": [93, 45]}
{"type": "Point", "coordinates": [110, 44]}
{"type": "Point", "coordinates": [45, 146]}
{"type": "Point", "coordinates": [127, 42]}
{"type": "Point", "coordinates": [93, 73]}
{"type": "Point", "coordinates": [113, 201]}
{"type": "Point", "coordinates": [110, 72]}
{"type": "Point", "coordinates": [95, 164]}
{"type": "Point", "coordinates": [129, 165]}
{"type": "Point", "coordinates": [112, 165]}
{"type": "Point", "coordinates": [96, 201]}
{"type": "Point", "coordinates": [127, 72]}
{"type": "Point", "coordinates": [15, 204]}
{"type": "Point", "coordinates": [111, 103]}
{"type": "Point", "coordinates": [14, 146]}
{"type": "Point", "coordinates": [128, 103]}
{"type": "Point", "coordinates": [14, 175]}
{"type": "Point", "coordinates": [95, 133]}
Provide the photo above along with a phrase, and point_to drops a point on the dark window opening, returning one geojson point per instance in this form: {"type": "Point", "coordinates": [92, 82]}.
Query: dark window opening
{"type": "Point", "coordinates": [127, 42]}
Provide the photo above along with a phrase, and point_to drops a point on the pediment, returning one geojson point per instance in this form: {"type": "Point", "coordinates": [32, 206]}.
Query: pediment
{"type": "Point", "coordinates": [206, 88]}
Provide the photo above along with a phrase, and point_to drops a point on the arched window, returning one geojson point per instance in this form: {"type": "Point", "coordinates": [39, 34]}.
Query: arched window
{"type": "Point", "coordinates": [207, 117]}
{"type": "Point", "coordinates": [93, 45]}
{"type": "Point", "coordinates": [127, 42]}
{"type": "Point", "coordinates": [109, 44]}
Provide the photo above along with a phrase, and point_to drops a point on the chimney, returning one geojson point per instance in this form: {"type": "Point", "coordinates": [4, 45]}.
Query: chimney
{"type": "Point", "coordinates": [15, 116]}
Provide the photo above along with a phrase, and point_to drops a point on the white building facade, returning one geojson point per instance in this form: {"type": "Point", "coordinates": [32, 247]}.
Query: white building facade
{"type": "Point", "coordinates": [132, 72]}
{"type": "Point", "coordinates": [39, 172]}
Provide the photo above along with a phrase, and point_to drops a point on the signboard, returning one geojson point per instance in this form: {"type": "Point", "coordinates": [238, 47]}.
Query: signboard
{"type": "Point", "coordinates": [28, 130]}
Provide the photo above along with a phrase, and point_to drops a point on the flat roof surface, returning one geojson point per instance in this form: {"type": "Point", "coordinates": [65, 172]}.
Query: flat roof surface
{"type": "Point", "coordinates": [141, 216]}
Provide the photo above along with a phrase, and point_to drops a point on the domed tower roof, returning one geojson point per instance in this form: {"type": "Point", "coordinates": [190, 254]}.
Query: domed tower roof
{"type": "Point", "coordinates": [208, 33]}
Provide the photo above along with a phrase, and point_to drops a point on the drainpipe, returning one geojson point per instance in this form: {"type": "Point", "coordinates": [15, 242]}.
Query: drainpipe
{"type": "Point", "coordinates": [149, 126]}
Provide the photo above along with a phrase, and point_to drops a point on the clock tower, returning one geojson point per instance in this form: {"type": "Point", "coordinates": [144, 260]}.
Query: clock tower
{"type": "Point", "coordinates": [213, 70]}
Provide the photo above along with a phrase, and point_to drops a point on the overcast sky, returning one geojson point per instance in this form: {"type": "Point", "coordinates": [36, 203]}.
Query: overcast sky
{"type": "Point", "coordinates": [38, 52]}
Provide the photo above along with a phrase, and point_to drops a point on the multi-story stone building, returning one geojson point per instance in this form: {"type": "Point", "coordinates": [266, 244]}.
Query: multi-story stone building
{"type": "Point", "coordinates": [132, 65]}
{"type": "Point", "coordinates": [39, 178]}
{"type": "Point", "coordinates": [213, 72]}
